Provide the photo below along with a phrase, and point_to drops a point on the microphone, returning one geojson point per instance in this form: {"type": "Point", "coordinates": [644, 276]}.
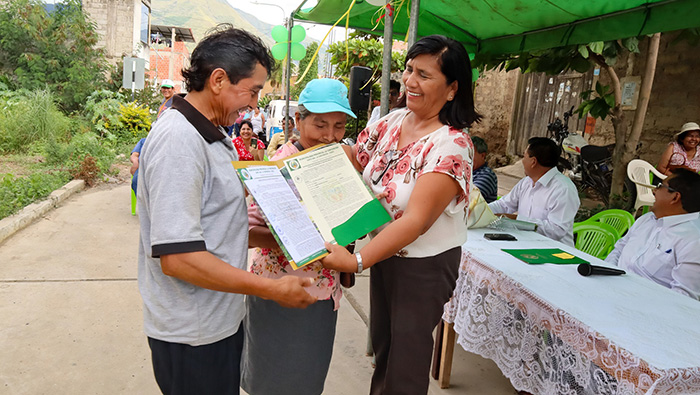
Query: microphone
{"type": "Point", "coordinates": [586, 269]}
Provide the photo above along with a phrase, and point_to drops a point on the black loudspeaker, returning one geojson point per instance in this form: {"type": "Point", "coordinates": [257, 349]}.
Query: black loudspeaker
{"type": "Point", "coordinates": [358, 94]}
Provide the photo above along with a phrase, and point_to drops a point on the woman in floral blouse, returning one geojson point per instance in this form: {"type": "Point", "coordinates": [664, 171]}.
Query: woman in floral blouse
{"type": "Point", "coordinates": [421, 158]}
{"type": "Point", "coordinates": [288, 351]}
{"type": "Point", "coordinates": [248, 146]}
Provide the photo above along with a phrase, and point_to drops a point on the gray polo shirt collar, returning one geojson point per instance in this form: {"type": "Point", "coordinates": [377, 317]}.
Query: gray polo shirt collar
{"type": "Point", "coordinates": [210, 132]}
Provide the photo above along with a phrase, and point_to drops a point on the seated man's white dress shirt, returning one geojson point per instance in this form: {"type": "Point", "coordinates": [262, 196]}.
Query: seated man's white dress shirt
{"type": "Point", "coordinates": [551, 203]}
{"type": "Point", "coordinates": [665, 250]}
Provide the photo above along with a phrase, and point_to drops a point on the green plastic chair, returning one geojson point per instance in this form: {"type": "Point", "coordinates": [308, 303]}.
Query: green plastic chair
{"type": "Point", "coordinates": [620, 220]}
{"type": "Point", "coordinates": [595, 238]}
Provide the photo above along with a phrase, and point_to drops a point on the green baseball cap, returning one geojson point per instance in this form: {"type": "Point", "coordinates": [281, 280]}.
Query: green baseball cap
{"type": "Point", "coordinates": [326, 95]}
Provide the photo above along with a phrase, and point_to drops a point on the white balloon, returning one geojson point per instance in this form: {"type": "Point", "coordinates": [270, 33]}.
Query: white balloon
{"type": "Point", "coordinates": [378, 3]}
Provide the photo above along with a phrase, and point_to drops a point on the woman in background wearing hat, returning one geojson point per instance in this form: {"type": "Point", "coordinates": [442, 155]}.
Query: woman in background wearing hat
{"type": "Point", "coordinates": [682, 153]}
{"type": "Point", "coordinates": [288, 351]}
{"type": "Point", "coordinates": [421, 157]}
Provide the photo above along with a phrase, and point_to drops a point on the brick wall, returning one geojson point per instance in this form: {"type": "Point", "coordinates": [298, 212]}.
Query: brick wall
{"type": "Point", "coordinates": [115, 24]}
{"type": "Point", "coordinates": [494, 95]}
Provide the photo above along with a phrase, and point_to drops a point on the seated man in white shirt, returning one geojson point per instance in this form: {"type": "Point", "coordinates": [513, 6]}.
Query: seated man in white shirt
{"type": "Point", "coordinates": [545, 197]}
{"type": "Point", "coordinates": [664, 245]}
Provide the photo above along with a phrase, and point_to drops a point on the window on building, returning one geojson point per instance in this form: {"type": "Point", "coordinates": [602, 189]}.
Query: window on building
{"type": "Point", "coordinates": [145, 15]}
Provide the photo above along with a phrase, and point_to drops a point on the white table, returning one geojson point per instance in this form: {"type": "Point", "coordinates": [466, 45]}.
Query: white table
{"type": "Point", "coordinates": [552, 331]}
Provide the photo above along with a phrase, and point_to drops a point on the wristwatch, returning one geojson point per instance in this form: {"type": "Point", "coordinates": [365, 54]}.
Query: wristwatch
{"type": "Point", "coordinates": [359, 262]}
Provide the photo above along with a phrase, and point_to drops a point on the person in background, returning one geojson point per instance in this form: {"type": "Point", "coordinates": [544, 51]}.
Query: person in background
{"type": "Point", "coordinates": [134, 158]}
{"type": "Point", "coordinates": [394, 91]}
{"type": "Point", "coordinates": [483, 176]}
{"type": "Point", "coordinates": [664, 244]}
{"type": "Point", "coordinates": [268, 356]}
{"type": "Point", "coordinates": [682, 153]}
{"type": "Point", "coordinates": [420, 159]}
{"type": "Point", "coordinates": [193, 226]}
{"type": "Point", "coordinates": [167, 89]}
{"type": "Point", "coordinates": [545, 197]}
{"type": "Point", "coordinates": [257, 118]}
{"type": "Point", "coordinates": [248, 146]}
{"type": "Point", "coordinates": [278, 139]}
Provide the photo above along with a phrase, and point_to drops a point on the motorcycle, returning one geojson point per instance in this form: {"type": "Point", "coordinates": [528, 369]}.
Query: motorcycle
{"type": "Point", "coordinates": [588, 166]}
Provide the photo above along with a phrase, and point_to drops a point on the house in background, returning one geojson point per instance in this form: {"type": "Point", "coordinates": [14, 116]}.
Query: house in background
{"type": "Point", "coordinates": [123, 26]}
{"type": "Point", "coordinates": [169, 54]}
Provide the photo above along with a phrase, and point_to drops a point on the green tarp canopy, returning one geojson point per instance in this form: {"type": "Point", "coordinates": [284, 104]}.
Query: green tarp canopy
{"type": "Point", "coordinates": [513, 26]}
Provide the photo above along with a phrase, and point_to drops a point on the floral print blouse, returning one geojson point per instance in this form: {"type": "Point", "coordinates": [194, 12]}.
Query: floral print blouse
{"type": "Point", "coordinates": [243, 153]}
{"type": "Point", "coordinates": [271, 263]}
{"type": "Point", "coordinates": [389, 169]}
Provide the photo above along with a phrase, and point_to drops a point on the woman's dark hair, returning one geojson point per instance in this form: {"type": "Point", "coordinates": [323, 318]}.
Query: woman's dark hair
{"type": "Point", "coordinates": [454, 64]}
{"type": "Point", "coordinates": [247, 122]}
{"type": "Point", "coordinates": [544, 150]}
{"type": "Point", "coordinates": [688, 184]}
{"type": "Point", "coordinates": [235, 51]}
{"type": "Point", "coordinates": [682, 136]}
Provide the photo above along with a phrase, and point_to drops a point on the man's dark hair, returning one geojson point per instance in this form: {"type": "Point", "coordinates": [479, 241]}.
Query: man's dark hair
{"type": "Point", "coordinates": [545, 150]}
{"type": "Point", "coordinates": [455, 66]}
{"type": "Point", "coordinates": [480, 145]}
{"type": "Point", "coordinates": [235, 51]}
{"type": "Point", "coordinates": [688, 184]}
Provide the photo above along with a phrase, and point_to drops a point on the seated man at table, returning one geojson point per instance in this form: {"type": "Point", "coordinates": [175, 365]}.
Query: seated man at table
{"type": "Point", "coordinates": [664, 245]}
{"type": "Point", "coordinates": [545, 197]}
{"type": "Point", "coordinates": [483, 176]}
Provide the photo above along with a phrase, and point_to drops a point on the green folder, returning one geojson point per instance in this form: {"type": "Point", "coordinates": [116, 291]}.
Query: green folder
{"type": "Point", "coordinates": [536, 256]}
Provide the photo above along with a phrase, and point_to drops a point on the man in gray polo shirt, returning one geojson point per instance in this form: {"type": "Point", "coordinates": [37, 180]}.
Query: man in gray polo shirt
{"type": "Point", "coordinates": [194, 231]}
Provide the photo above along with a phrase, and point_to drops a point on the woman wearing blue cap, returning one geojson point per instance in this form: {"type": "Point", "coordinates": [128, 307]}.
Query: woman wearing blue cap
{"type": "Point", "coordinates": [421, 158]}
{"type": "Point", "coordinates": [288, 351]}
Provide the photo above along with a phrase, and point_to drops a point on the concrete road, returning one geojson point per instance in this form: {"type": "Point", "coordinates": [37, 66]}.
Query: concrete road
{"type": "Point", "coordinates": [71, 311]}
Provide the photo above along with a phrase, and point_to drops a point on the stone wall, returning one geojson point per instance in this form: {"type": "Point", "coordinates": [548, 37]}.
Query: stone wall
{"type": "Point", "coordinates": [673, 99]}
{"type": "Point", "coordinates": [494, 95]}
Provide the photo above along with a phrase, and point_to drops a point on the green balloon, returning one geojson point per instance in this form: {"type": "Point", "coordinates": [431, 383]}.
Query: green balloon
{"type": "Point", "coordinates": [298, 51]}
{"type": "Point", "coordinates": [475, 75]}
{"type": "Point", "coordinates": [298, 34]}
{"type": "Point", "coordinates": [279, 51]}
{"type": "Point", "coordinates": [279, 33]}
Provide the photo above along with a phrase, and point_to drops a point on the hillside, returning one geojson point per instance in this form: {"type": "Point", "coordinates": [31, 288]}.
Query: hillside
{"type": "Point", "coordinates": [202, 15]}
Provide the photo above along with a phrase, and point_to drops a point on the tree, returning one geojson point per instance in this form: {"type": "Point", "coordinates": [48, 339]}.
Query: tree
{"type": "Point", "coordinates": [40, 49]}
{"type": "Point", "coordinates": [276, 78]}
{"type": "Point", "coordinates": [359, 52]}
{"type": "Point", "coordinates": [311, 74]}
{"type": "Point", "coordinates": [604, 100]}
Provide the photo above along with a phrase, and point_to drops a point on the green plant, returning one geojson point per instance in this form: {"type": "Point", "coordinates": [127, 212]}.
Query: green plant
{"type": "Point", "coordinates": [57, 49]}
{"type": "Point", "coordinates": [18, 192]}
{"type": "Point", "coordinates": [28, 117]}
{"type": "Point", "coordinates": [360, 52]}
{"type": "Point", "coordinates": [599, 105]}
{"type": "Point", "coordinates": [69, 156]}
{"type": "Point", "coordinates": [134, 121]}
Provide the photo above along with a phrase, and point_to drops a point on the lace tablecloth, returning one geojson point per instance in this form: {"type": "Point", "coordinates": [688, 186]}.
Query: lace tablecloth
{"type": "Point", "coordinates": [537, 323]}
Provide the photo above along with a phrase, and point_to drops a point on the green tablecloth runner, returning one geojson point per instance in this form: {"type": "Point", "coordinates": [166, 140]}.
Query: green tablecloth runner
{"type": "Point", "coordinates": [544, 255]}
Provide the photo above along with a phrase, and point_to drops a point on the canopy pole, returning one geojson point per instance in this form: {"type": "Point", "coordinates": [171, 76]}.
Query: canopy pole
{"type": "Point", "coordinates": [386, 60]}
{"type": "Point", "coordinates": [413, 23]}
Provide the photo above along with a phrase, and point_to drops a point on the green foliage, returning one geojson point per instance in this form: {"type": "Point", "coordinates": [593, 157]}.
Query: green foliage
{"type": "Point", "coordinates": [368, 53]}
{"type": "Point", "coordinates": [264, 101]}
{"type": "Point", "coordinates": [16, 193]}
{"type": "Point", "coordinates": [310, 75]}
{"type": "Point", "coordinates": [58, 49]}
{"type": "Point", "coordinates": [599, 105]}
{"type": "Point", "coordinates": [115, 121]}
{"type": "Point", "coordinates": [70, 156]}
{"type": "Point", "coordinates": [28, 117]}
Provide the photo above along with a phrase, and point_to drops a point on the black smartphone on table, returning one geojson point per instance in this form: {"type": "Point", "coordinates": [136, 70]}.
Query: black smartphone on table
{"type": "Point", "coordinates": [499, 237]}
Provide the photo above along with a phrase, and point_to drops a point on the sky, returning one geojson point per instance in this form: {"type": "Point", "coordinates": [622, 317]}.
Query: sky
{"type": "Point", "coordinates": [273, 14]}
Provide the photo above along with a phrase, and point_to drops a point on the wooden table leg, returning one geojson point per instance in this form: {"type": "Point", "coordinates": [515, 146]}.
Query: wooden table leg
{"type": "Point", "coordinates": [448, 346]}
{"type": "Point", "coordinates": [437, 350]}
